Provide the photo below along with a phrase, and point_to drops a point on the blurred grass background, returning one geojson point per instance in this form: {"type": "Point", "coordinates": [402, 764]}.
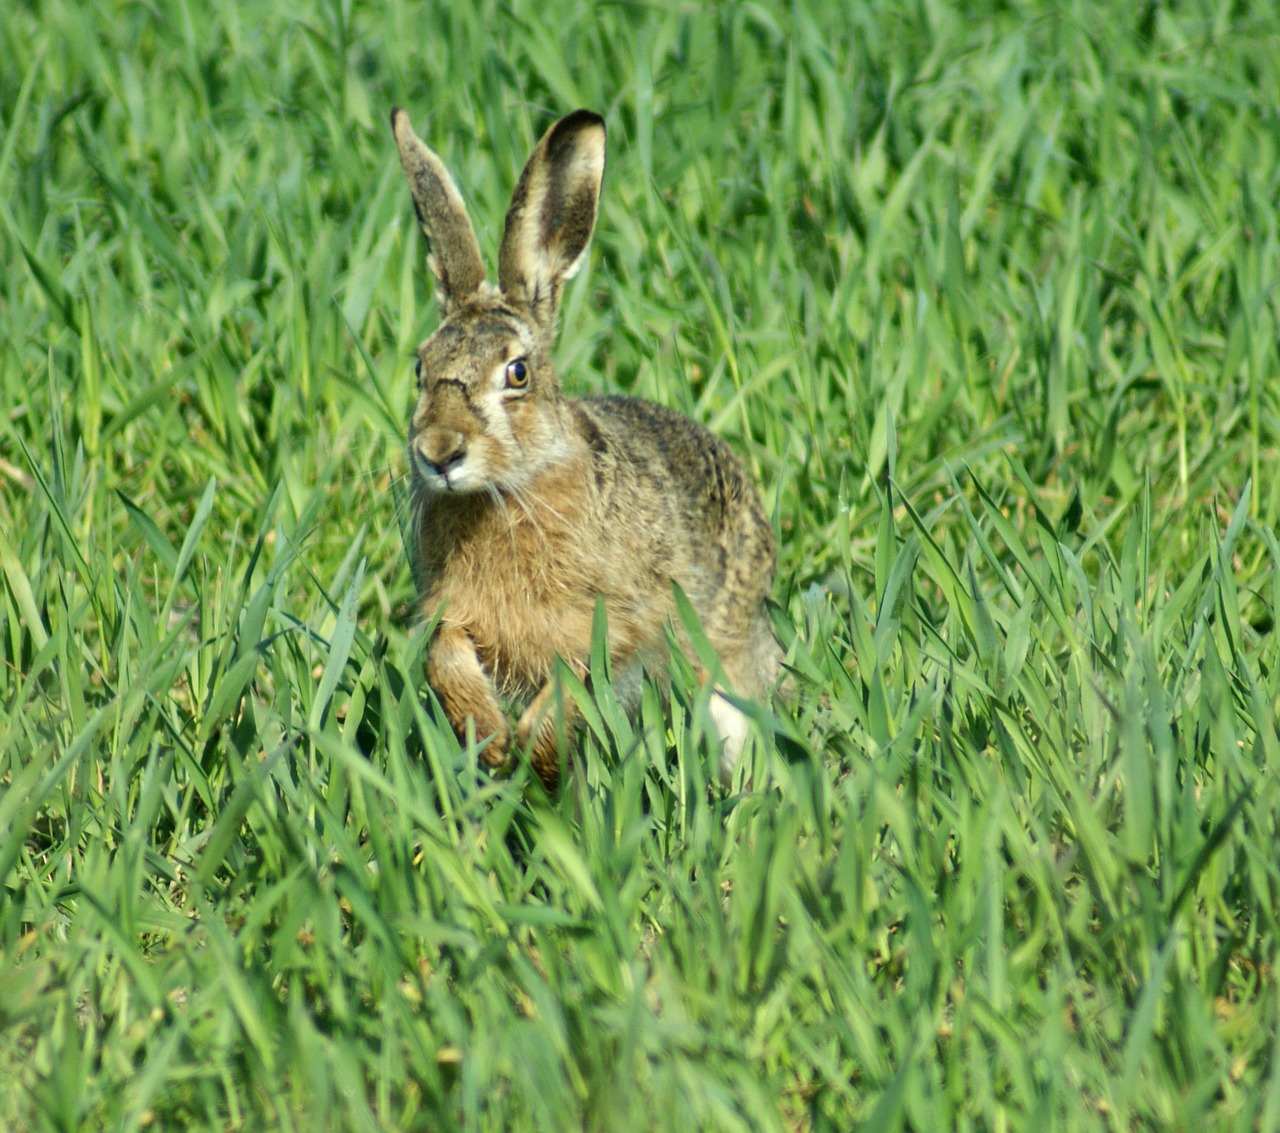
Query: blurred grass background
{"type": "Point", "coordinates": [985, 295]}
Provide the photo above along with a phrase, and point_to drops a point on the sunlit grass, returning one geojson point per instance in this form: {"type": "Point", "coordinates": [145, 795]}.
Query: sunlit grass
{"type": "Point", "coordinates": [986, 298]}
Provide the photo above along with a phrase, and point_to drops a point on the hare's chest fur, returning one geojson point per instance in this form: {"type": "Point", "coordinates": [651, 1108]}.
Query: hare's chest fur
{"type": "Point", "coordinates": [520, 576]}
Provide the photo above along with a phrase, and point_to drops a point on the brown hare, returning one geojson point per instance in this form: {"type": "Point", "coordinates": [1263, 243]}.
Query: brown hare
{"type": "Point", "coordinates": [527, 504]}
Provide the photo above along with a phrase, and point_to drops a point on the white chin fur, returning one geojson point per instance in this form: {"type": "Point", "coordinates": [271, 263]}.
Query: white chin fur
{"type": "Point", "coordinates": [462, 479]}
{"type": "Point", "coordinates": [459, 479]}
{"type": "Point", "coordinates": [731, 726]}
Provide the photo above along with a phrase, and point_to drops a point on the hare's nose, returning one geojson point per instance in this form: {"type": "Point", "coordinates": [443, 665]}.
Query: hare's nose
{"type": "Point", "coordinates": [442, 450]}
{"type": "Point", "coordinates": [443, 465]}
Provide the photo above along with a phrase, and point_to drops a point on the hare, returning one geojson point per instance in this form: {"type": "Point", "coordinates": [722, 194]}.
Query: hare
{"type": "Point", "coordinates": [528, 505]}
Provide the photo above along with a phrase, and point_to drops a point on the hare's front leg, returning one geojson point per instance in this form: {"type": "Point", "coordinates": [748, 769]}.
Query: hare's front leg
{"type": "Point", "coordinates": [541, 727]}
{"type": "Point", "coordinates": [466, 692]}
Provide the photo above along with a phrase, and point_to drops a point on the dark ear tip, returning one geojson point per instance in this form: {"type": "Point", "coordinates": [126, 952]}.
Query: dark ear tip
{"type": "Point", "coordinates": [395, 113]}
{"type": "Point", "coordinates": [581, 119]}
{"type": "Point", "coordinates": [575, 125]}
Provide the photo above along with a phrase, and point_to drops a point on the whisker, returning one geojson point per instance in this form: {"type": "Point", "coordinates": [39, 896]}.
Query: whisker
{"type": "Point", "coordinates": [531, 508]}
{"type": "Point", "coordinates": [501, 505]}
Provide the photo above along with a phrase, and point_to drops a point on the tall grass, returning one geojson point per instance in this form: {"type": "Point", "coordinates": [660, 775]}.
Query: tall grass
{"type": "Point", "coordinates": [985, 295]}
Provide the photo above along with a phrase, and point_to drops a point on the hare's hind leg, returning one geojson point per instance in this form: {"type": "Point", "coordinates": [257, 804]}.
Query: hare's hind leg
{"type": "Point", "coordinates": [731, 727]}
{"type": "Point", "coordinates": [750, 661]}
{"type": "Point", "coordinates": [466, 692]}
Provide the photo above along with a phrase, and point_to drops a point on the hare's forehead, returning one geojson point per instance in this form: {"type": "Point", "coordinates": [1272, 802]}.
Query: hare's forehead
{"type": "Point", "coordinates": [478, 336]}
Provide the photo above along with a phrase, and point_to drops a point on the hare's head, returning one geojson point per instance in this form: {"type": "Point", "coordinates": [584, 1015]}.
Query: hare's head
{"type": "Point", "coordinates": [487, 416]}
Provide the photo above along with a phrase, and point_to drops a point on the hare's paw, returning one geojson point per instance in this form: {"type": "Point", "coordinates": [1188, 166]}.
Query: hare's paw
{"type": "Point", "coordinates": [545, 728]}
{"type": "Point", "coordinates": [538, 735]}
{"type": "Point", "coordinates": [497, 757]}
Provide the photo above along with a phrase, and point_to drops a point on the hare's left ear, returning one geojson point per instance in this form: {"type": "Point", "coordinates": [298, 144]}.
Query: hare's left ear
{"type": "Point", "coordinates": [454, 255]}
{"type": "Point", "coordinates": [552, 214]}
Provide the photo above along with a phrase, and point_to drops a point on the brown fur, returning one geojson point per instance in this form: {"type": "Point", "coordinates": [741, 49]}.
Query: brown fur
{"type": "Point", "coordinates": [529, 505]}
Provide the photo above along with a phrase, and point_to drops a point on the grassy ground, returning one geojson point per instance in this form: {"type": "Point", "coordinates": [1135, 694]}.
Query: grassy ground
{"type": "Point", "coordinates": [985, 294]}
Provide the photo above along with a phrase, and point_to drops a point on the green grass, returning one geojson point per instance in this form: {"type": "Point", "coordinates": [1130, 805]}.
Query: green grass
{"type": "Point", "coordinates": [986, 295]}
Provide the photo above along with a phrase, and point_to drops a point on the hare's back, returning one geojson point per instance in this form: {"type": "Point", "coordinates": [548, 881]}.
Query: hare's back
{"type": "Point", "coordinates": [670, 474]}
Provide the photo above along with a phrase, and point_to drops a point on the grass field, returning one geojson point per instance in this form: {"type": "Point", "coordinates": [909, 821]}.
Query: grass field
{"type": "Point", "coordinates": [985, 295]}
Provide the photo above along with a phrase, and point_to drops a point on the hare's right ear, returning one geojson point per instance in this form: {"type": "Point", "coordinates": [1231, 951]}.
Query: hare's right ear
{"type": "Point", "coordinates": [454, 255]}
{"type": "Point", "coordinates": [552, 214]}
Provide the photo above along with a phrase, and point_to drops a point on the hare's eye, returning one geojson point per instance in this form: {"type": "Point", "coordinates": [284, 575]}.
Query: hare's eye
{"type": "Point", "coordinates": [417, 369]}
{"type": "Point", "coordinates": [517, 374]}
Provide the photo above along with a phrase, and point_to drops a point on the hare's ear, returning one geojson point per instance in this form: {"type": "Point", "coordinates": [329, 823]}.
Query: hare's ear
{"type": "Point", "coordinates": [552, 214]}
{"type": "Point", "coordinates": [454, 255]}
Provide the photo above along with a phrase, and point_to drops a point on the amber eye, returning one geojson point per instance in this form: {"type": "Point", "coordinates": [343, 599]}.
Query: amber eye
{"type": "Point", "coordinates": [517, 374]}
